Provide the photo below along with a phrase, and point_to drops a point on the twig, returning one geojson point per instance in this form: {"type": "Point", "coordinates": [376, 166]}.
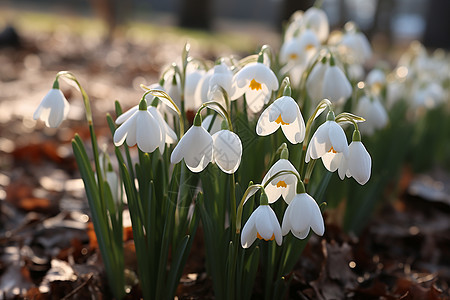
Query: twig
{"type": "Point", "coordinates": [78, 287]}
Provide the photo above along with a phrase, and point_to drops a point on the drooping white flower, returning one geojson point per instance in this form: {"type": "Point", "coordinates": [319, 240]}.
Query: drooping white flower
{"type": "Point", "coordinates": [141, 128]}
{"type": "Point", "coordinates": [283, 185]}
{"type": "Point", "coordinates": [373, 111]}
{"type": "Point", "coordinates": [316, 19]}
{"type": "Point", "coordinates": [285, 113]}
{"type": "Point", "coordinates": [301, 215]}
{"type": "Point", "coordinates": [172, 85]}
{"type": "Point", "coordinates": [328, 143]}
{"type": "Point", "coordinates": [168, 135]}
{"type": "Point", "coordinates": [53, 109]}
{"type": "Point", "coordinates": [336, 87]}
{"type": "Point", "coordinates": [227, 150]}
{"type": "Point", "coordinates": [358, 164]}
{"type": "Point", "coordinates": [256, 81]}
{"type": "Point", "coordinates": [262, 224]}
{"type": "Point", "coordinates": [196, 147]}
{"type": "Point", "coordinates": [354, 45]}
{"type": "Point", "coordinates": [327, 80]}
{"type": "Point", "coordinates": [222, 77]}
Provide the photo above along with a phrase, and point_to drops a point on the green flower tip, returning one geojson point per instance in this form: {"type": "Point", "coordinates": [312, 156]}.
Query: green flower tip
{"type": "Point", "coordinates": [155, 102]}
{"type": "Point", "coordinates": [287, 90]}
{"type": "Point", "coordinates": [330, 116]}
{"type": "Point", "coordinates": [332, 62]}
{"type": "Point", "coordinates": [198, 120]}
{"type": "Point", "coordinates": [263, 200]}
{"type": "Point", "coordinates": [224, 125]}
{"type": "Point", "coordinates": [143, 104]}
{"type": "Point", "coordinates": [356, 136]}
{"type": "Point", "coordinates": [56, 84]}
{"type": "Point", "coordinates": [261, 57]}
{"type": "Point", "coordinates": [284, 153]}
{"type": "Point", "coordinates": [110, 168]}
{"type": "Point", "coordinates": [300, 187]}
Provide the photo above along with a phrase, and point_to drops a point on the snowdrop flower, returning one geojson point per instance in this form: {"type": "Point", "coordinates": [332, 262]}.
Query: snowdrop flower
{"type": "Point", "coordinates": [113, 182]}
{"type": "Point", "coordinates": [54, 108]}
{"type": "Point", "coordinates": [301, 215]}
{"type": "Point", "coordinates": [327, 80]}
{"type": "Point", "coordinates": [316, 19]}
{"type": "Point", "coordinates": [196, 147]}
{"type": "Point", "coordinates": [172, 85]}
{"type": "Point", "coordinates": [168, 135]}
{"type": "Point", "coordinates": [227, 150]}
{"type": "Point", "coordinates": [222, 77]}
{"type": "Point", "coordinates": [429, 95]}
{"type": "Point", "coordinates": [329, 143]}
{"type": "Point", "coordinates": [141, 128]}
{"type": "Point", "coordinates": [354, 45]}
{"type": "Point", "coordinates": [373, 111]}
{"type": "Point", "coordinates": [285, 113]}
{"type": "Point", "coordinates": [262, 224]}
{"type": "Point", "coordinates": [283, 185]}
{"type": "Point", "coordinates": [359, 163]}
{"type": "Point", "coordinates": [256, 81]}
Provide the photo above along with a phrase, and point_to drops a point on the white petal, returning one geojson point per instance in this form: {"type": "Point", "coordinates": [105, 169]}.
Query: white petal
{"type": "Point", "coordinates": [252, 190]}
{"type": "Point", "coordinates": [338, 138]}
{"type": "Point", "coordinates": [320, 142]}
{"type": "Point", "coordinates": [121, 133]}
{"type": "Point", "coordinates": [336, 86]}
{"type": "Point", "coordinates": [317, 20]}
{"type": "Point", "coordinates": [227, 150]}
{"type": "Point", "coordinates": [317, 224]}
{"type": "Point", "coordinates": [126, 115]}
{"type": "Point", "coordinates": [295, 132]}
{"type": "Point", "coordinates": [301, 213]}
{"type": "Point", "coordinates": [342, 168]}
{"type": "Point", "coordinates": [265, 126]}
{"type": "Point", "coordinates": [248, 234]}
{"type": "Point", "coordinates": [257, 98]}
{"type": "Point", "coordinates": [216, 125]}
{"type": "Point", "coordinates": [301, 234]}
{"type": "Point", "coordinates": [315, 81]}
{"type": "Point", "coordinates": [286, 223]}
{"type": "Point", "coordinates": [332, 161]}
{"type": "Point", "coordinates": [360, 162]}
{"type": "Point", "coordinates": [196, 149]}
{"type": "Point", "coordinates": [148, 132]}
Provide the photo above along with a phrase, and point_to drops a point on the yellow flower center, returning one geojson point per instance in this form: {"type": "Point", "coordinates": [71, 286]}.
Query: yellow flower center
{"type": "Point", "coordinates": [281, 183]}
{"type": "Point", "coordinates": [261, 238]}
{"type": "Point", "coordinates": [332, 150]}
{"type": "Point", "coordinates": [280, 120]}
{"type": "Point", "coordinates": [255, 85]}
{"type": "Point", "coordinates": [293, 56]}
{"type": "Point", "coordinates": [309, 47]}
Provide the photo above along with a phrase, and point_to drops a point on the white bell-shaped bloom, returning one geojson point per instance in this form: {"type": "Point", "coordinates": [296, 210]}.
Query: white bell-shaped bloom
{"type": "Point", "coordinates": [335, 87]}
{"type": "Point", "coordinates": [143, 129]}
{"type": "Point", "coordinates": [328, 142]}
{"type": "Point", "coordinates": [257, 81]}
{"type": "Point", "coordinates": [429, 96]}
{"type": "Point", "coordinates": [262, 224]}
{"type": "Point", "coordinates": [301, 215]}
{"type": "Point", "coordinates": [355, 72]}
{"type": "Point", "coordinates": [285, 113]}
{"type": "Point", "coordinates": [53, 109]}
{"type": "Point", "coordinates": [168, 135]}
{"type": "Point", "coordinates": [355, 47]}
{"type": "Point", "coordinates": [375, 114]}
{"type": "Point", "coordinates": [196, 147]}
{"type": "Point", "coordinates": [227, 150]}
{"type": "Point", "coordinates": [113, 182]}
{"type": "Point", "coordinates": [316, 19]}
{"type": "Point", "coordinates": [193, 77]}
{"type": "Point", "coordinates": [358, 164]}
{"type": "Point", "coordinates": [154, 86]}
{"type": "Point", "coordinates": [284, 185]}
